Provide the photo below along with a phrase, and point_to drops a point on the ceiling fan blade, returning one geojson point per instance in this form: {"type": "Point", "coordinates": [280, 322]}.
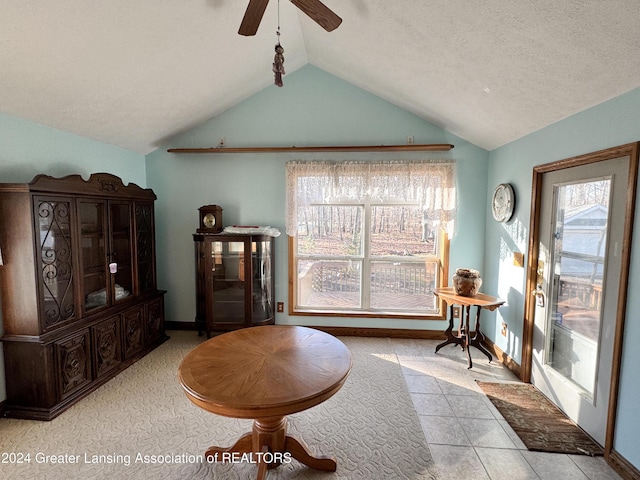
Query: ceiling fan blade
{"type": "Point", "coordinates": [252, 17]}
{"type": "Point", "coordinates": [319, 13]}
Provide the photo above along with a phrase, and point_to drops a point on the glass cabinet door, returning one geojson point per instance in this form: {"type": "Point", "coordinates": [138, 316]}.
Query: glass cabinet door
{"type": "Point", "coordinates": [228, 282]}
{"type": "Point", "coordinates": [262, 281]}
{"type": "Point", "coordinates": [234, 281]}
{"type": "Point", "coordinates": [144, 247]}
{"type": "Point", "coordinates": [105, 239]}
{"type": "Point", "coordinates": [56, 256]}
{"type": "Point", "coordinates": [92, 216]}
{"type": "Point", "coordinates": [120, 261]}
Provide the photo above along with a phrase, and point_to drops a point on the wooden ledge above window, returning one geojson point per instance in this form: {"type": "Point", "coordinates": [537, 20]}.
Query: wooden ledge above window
{"type": "Point", "coordinates": [439, 147]}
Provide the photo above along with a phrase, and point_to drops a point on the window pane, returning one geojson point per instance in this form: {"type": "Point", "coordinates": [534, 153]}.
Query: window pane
{"type": "Point", "coordinates": [400, 230]}
{"type": "Point", "coordinates": [329, 284]}
{"type": "Point", "coordinates": [330, 230]}
{"type": "Point", "coordinates": [404, 286]}
{"type": "Point", "coordinates": [579, 246]}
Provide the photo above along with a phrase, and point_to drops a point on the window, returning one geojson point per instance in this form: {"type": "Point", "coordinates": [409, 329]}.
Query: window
{"type": "Point", "coordinates": [368, 238]}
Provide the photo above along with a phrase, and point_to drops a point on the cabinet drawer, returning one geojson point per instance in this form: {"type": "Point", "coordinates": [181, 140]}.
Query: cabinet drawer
{"type": "Point", "coordinates": [73, 358]}
{"type": "Point", "coordinates": [107, 351]}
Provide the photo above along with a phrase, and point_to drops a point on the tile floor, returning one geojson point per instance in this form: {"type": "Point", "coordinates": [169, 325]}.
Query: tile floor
{"type": "Point", "coordinates": [467, 436]}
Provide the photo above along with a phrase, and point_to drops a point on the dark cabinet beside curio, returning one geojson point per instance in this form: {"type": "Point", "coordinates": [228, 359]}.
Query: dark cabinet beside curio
{"type": "Point", "coordinates": [234, 280]}
{"type": "Point", "coordinates": [78, 285]}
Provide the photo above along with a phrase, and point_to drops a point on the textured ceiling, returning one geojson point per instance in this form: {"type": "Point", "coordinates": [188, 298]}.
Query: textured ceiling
{"type": "Point", "coordinates": [131, 73]}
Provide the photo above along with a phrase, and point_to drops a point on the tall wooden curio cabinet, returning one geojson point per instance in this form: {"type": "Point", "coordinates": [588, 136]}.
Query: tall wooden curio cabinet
{"type": "Point", "coordinates": [78, 286]}
{"type": "Point", "coordinates": [234, 280]}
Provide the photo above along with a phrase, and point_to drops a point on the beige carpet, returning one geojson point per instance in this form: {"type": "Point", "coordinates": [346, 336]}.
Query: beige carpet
{"type": "Point", "coordinates": [370, 427]}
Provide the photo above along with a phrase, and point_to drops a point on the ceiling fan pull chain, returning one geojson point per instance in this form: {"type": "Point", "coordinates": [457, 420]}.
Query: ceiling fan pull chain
{"type": "Point", "coordinates": [278, 64]}
{"type": "Point", "coordinates": [278, 59]}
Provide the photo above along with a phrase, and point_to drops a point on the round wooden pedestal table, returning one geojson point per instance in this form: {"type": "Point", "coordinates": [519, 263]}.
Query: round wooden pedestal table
{"type": "Point", "coordinates": [266, 373]}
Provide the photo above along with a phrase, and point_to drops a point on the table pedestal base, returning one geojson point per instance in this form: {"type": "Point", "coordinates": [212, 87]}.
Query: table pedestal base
{"type": "Point", "coordinates": [268, 442]}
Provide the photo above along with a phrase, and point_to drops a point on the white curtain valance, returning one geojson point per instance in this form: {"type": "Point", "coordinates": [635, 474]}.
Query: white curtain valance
{"type": "Point", "coordinates": [429, 183]}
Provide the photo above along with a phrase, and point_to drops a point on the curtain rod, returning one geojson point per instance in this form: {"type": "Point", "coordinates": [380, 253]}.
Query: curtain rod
{"type": "Point", "coordinates": [442, 147]}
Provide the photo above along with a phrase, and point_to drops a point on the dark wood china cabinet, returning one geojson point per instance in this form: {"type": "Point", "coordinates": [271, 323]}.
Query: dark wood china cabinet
{"type": "Point", "coordinates": [234, 281]}
{"type": "Point", "coordinates": [78, 286]}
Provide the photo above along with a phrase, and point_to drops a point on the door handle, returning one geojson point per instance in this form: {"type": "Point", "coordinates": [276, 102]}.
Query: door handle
{"type": "Point", "coordinates": [539, 294]}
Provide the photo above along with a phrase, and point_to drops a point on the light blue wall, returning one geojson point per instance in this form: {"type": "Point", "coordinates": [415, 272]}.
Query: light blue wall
{"type": "Point", "coordinates": [28, 149]}
{"type": "Point", "coordinates": [607, 125]}
{"type": "Point", "coordinates": [313, 108]}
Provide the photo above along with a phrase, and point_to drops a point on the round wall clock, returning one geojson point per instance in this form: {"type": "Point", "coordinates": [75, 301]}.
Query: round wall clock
{"type": "Point", "coordinates": [503, 202]}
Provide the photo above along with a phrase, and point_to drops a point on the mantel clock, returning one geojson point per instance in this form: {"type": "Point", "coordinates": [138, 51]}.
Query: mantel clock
{"type": "Point", "coordinates": [210, 219]}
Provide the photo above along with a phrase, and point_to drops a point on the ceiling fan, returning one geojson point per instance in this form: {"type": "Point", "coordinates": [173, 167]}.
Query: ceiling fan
{"type": "Point", "coordinates": [318, 11]}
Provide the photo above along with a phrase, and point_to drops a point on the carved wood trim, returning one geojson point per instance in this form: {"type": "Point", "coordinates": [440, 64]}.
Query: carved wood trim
{"type": "Point", "coordinates": [98, 184]}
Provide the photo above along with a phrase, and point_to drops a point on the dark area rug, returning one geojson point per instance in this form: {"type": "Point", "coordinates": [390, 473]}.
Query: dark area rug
{"type": "Point", "coordinates": [540, 424]}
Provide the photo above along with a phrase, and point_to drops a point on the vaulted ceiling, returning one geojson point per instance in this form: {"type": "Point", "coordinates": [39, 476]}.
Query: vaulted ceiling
{"type": "Point", "coordinates": [132, 72]}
